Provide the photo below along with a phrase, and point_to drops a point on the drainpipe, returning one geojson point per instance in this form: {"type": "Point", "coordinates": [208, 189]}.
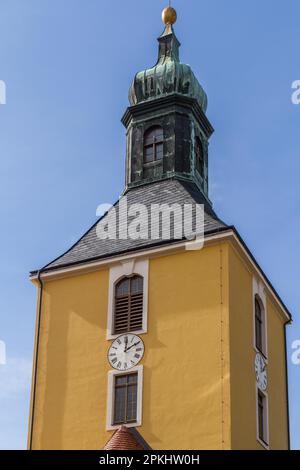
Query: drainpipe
{"type": "Point", "coordinates": [39, 313]}
{"type": "Point", "coordinates": [287, 385]}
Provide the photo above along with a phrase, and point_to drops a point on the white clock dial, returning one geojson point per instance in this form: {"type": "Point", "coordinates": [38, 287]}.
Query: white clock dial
{"type": "Point", "coordinates": [126, 352]}
{"type": "Point", "coordinates": [261, 372]}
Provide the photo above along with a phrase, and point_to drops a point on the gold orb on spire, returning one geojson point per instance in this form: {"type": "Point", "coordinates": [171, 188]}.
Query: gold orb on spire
{"type": "Point", "coordinates": [169, 16]}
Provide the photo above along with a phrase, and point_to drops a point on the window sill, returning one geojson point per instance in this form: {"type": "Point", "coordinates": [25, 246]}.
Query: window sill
{"type": "Point", "coordinates": [110, 337]}
{"type": "Point", "coordinates": [258, 351]}
{"type": "Point", "coordinates": [199, 176]}
{"type": "Point", "coordinates": [155, 163]}
{"type": "Point", "coordinates": [263, 444]}
{"type": "Point", "coordinates": [117, 426]}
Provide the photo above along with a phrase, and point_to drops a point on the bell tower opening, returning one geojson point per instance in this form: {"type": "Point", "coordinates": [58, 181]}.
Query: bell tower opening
{"type": "Point", "coordinates": [153, 145]}
{"type": "Point", "coordinates": [199, 157]}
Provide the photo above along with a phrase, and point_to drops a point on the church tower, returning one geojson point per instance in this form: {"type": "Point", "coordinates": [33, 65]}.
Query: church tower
{"type": "Point", "coordinates": [143, 341]}
{"type": "Point", "coordinates": [167, 128]}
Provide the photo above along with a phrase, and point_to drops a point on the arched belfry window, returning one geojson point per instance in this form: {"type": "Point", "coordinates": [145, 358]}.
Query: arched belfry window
{"type": "Point", "coordinates": [199, 157]}
{"type": "Point", "coordinates": [153, 144]}
{"type": "Point", "coordinates": [128, 311]}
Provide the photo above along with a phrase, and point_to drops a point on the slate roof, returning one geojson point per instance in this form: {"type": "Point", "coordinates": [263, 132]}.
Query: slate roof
{"type": "Point", "coordinates": [169, 191]}
{"type": "Point", "coordinates": [126, 439]}
{"type": "Point", "coordinates": [91, 248]}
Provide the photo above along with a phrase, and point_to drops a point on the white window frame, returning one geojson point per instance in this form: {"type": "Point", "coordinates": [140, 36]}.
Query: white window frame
{"type": "Point", "coordinates": [266, 444]}
{"type": "Point", "coordinates": [116, 273]}
{"type": "Point", "coordinates": [259, 291]}
{"type": "Point", "coordinates": [112, 374]}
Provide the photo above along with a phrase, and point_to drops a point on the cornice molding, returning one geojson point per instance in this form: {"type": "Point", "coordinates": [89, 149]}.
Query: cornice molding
{"type": "Point", "coordinates": [229, 234]}
{"type": "Point", "coordinates": [174, 100]}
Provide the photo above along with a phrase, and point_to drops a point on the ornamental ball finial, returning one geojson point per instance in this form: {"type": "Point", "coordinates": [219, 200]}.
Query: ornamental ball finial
{"type": "Point", "coordinates": [169, 16]}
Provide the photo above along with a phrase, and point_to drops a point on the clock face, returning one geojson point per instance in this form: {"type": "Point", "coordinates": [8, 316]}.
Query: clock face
{"type": "Point", "coordinates": [261, 372]}
{"type": "Point", "coordinates": [126, 352]}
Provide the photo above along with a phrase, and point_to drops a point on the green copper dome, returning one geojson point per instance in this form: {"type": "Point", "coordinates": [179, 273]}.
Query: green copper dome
{"type": "Point", "coordinates": [168, 76]}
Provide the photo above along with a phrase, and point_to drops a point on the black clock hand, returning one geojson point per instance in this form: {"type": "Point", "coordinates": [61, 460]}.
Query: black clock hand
{"type": "Point", "coordinates": [135, 344]}
{"type": "Point", "coordinates": [126, 343]}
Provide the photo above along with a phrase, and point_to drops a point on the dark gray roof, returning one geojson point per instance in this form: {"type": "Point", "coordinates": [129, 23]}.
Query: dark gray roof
{"type": "Point", "coordinates": [169, 191]}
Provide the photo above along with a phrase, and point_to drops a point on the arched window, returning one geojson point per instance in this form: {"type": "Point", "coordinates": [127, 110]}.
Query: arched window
{"type": "Point", "coordinates": [199, 157]}
{"type": "Point", "coordinates": [259, 326]}
{"type": "Point", "coordinates": [153, 144]}
{"type": "Point", "coordinates": [128, 312]}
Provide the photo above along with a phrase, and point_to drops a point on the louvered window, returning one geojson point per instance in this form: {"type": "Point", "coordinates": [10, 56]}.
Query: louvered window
{"type": "Point", "coordinates": [128, 314]}
{"type": "Point", "coordinates": [258, 326]}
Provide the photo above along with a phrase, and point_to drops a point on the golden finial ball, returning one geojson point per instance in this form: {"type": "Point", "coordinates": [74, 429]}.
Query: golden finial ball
{"type": "Point", "coordinates": [169, 15]}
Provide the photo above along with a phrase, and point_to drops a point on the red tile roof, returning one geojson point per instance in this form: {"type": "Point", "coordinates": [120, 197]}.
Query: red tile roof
{"type": "Point", "coordinates": [126, 439]}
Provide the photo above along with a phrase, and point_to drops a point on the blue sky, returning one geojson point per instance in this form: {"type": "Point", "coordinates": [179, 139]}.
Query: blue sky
{"type": "Point", "coordinates": [67, 66]}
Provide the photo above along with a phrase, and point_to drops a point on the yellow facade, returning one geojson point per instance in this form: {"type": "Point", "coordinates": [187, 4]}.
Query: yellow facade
{"type": "Point", "coordinates": [242, 356]}
{"type": "Point", "coordinates": [199, 381]}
